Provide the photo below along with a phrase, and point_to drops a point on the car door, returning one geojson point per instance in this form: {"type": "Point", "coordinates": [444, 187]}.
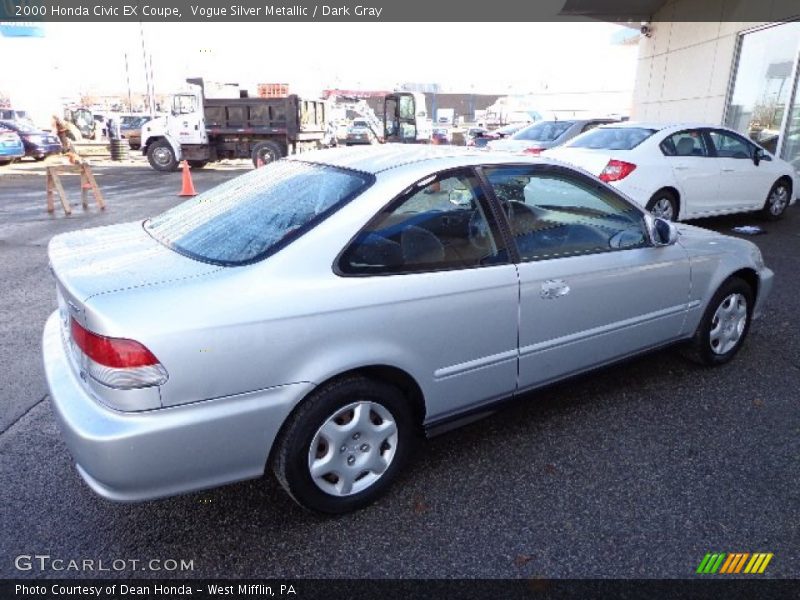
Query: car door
{"type": "Point", "coordinates": [436, 259]}
{"type": "Point", "coordinates": [694, 169]}
{"type": "Point", "coordinates": [742, 184]}
{"type": "Point", "coordinates": [593, 288]}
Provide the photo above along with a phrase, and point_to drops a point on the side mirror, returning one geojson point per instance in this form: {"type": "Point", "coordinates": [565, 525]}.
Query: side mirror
{"type": "Point", "coordinates": [757, 156]}
{"type": "Point", "coordinates": [663, 232]}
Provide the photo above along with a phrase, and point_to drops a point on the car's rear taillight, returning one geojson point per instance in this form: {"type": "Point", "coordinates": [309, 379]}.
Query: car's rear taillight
{"type": "Point", "coordinates": [116, 362]}
{"type": "Point", "coordinates": [534, 151]}
{"type": "Point", "coordinates": [616, 170]}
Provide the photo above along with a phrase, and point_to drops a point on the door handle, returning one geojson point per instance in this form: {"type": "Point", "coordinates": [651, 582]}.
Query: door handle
{"type": "Point", "coordinates": [728, 170]}
{"type": "Point", "coordinates": [554, 288]}
{"type": "Point", "coordinates": [680, 167]}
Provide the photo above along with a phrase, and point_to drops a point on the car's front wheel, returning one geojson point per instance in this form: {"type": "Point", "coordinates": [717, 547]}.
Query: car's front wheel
{"type": "Point", "coordinates": [343, 446]}
{"type": "Point", "coordinates": [777, 201]}
{"type": "Point", "coordinates": [725, 323]}
{"type": "Point", "coordinates": [161, 156]}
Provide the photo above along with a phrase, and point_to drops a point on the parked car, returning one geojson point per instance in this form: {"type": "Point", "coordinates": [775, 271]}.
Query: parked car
{"type": "Point", "coordinates": [472, 133]}
{"type": "Point", "coordinates": [359, 133]}
{"type": "Point", "coordinates": [11, 147]}
{"type": "Point", "coordinates": [131, 129]}
{"type": "Point", "coordinates": [442, 135]}
{"type": "Point", "coordinates": [685, 171]}
{"type": "Point", "coordinates": [38, 144]}
{"type": "Point", "coordinates": [402, 289]}
{"type": "Point", "coordinates": [542, 135]}
{"type": "Point", "coordinates": [11, 114]}
{"type": "Point", "coordinates": [498, 134]}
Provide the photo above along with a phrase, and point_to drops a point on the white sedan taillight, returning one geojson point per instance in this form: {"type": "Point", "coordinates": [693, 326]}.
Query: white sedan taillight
{"type": "Point", "coordinates": [116, 362]}
{"type": "Point", "coordinates": [616, 170]}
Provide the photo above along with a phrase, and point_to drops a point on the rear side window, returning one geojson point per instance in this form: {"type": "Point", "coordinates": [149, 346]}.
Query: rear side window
{"type": "Point", "coordinates": [685, 143]}
{"type": "Point", "coordinates": [544, 131]}
{"type": "Point", "coordinates": [254, 215]}
{"type": "Point", "coordinates": [612, 138]}
{"type": "Point", "coordinates": [438, 225]}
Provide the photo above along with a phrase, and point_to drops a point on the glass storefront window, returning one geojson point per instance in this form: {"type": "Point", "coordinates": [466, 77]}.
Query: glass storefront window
{"type": "Point", "coordinates": [763, 87]}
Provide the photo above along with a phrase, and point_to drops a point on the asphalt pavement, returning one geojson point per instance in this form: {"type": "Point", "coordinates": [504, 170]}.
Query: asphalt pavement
{"type": "Point", "coordinates": [636, 471]}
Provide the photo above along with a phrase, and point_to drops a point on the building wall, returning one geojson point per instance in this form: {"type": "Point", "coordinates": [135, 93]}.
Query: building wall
{"type": "Point", "coordinates": [684, 68]}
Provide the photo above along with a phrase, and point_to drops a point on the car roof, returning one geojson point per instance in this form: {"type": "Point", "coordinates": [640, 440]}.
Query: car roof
{"type": "Point", "coordinates": [661, 126]}
{"type": "Point", "coordinates": [377, 158]}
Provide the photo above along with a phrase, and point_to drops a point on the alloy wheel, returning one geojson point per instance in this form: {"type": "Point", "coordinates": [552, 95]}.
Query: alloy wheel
{"type": "Point", "coordinates": [353, 448]}
{"type": "Point", "coordinates": [728, 323]}
{"type": "Point", "coordinates": [663, 209]}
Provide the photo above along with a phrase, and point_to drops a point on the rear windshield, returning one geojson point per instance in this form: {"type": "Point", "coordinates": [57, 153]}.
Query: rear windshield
{"type": "Point", "coordinates": [21, 126]}
{"type": "Point", "coordinates": [612, 138]}
{"type": "Point", "coordinates": [544, 131]}
{"type": "Point", "coordinates": [254, 215]}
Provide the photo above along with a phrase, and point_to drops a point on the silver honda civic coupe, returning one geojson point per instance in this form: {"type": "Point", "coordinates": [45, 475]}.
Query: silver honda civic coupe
{"type": "Point", "coordinates": [314, 316]}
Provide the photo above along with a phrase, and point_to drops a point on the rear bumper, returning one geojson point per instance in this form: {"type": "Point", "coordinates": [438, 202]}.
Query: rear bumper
{"type": "Point", "coordinates": [41, 150]}
{"type": "Point", "coordinates": [130, 457]}
{"type": "Point", "coordinates": [7, 154]}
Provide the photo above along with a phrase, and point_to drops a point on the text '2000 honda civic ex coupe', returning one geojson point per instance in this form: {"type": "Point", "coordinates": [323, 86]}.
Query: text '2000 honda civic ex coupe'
{"type": "Point", "coordinates": [313, 316]}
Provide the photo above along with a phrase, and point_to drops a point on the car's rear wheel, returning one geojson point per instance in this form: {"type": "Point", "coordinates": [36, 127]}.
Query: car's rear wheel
{"type": "Point", "coordinates": [663, 204]}
{"type": "Point", "coordinates": [265, 153]}
{"type": "Point", "coordinates": [777, 201]}
{"type": "Point", "coordinates": [343, 446]}
{"type": "Point", "coordinates": [724, 325]}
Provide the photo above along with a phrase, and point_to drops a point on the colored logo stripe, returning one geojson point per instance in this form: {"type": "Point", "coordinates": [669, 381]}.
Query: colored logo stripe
{"type": "Point", "coordinates": [733, 562]}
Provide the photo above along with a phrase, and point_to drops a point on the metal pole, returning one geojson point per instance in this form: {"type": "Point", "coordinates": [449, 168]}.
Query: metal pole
{"type": "Point", "coordinates": [128, 79]}
{"type": "Point", "coordinates": [152, 88]}
{"type": "Point", "coordinates": [144, 65]}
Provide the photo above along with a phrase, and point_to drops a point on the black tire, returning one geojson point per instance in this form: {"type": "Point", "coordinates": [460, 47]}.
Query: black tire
{"type": "Point", "coordinates": [198, 164]}
{"type": "Point", "coordinates": [266, 152]}
{"type": "Point", "coordinates": [161, 156]}
{"type": "Point", "coordinates": [290, 457]}
{"type": "Point", "coordinates": [662, 198]}
{"type": "Point", "coordinates": [39, 158]}
{"type": "Point", "coordinates": [3, 163]}
{"type": "Point", "coordinates": [701, 348]}
{"type": "Point", "coordinates": [780, 194]}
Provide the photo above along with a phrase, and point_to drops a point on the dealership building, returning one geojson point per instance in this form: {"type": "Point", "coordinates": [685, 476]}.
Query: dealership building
{"type": "Point", "coordinates": [729, 62]}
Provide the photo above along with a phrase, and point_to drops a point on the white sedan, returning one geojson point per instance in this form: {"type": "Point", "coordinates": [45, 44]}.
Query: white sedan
{"type": "Point", "coordinates": [684, 171]}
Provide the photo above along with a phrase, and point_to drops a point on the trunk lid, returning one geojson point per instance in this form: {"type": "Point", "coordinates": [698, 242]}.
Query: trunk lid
{"type": "Point", "coordinates": [593, 161]}
{"type": "Point", "coordinates": [119, 257]}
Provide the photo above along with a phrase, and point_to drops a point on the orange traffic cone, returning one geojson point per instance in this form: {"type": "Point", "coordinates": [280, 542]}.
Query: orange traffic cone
{"type": "Point", "coordinates": [187, 187]}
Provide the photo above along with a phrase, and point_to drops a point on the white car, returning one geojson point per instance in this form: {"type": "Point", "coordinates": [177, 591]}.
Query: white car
{"type": "Point", "coordinates": [685, 171]}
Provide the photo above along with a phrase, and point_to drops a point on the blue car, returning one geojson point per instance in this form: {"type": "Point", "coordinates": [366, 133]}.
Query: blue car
{"type": "Point", "coordinates": [37, 144]}
{"type": "Point", "coordinates": [11, 147]}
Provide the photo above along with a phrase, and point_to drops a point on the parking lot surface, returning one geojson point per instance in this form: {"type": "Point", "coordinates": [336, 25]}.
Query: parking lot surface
{"type": "Point", "coordinates": [635, 471]}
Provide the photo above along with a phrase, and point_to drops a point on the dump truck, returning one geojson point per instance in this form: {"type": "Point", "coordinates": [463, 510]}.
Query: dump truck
{"type": "Point", "coordinates": [202, 130]}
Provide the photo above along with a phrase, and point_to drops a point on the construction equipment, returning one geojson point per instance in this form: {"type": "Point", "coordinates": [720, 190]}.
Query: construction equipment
{"type": "Point", "coordinates": [80, 124]}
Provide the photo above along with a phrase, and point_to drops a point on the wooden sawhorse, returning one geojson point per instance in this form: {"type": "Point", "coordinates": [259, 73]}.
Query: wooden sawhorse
{"type": "Point", "coordinates": [87, 183]}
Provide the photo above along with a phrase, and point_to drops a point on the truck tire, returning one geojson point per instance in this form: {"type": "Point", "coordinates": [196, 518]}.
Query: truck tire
{"type": "Point", "coordinates": [266, 152]}
{"type": "Point", "coordinates": [161, 156]}
{"type": "Point", "coordinates": [198, 164]}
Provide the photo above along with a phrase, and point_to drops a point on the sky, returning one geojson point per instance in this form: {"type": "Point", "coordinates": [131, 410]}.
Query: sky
{"type": "Point", "coordinates": [499, 58]}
